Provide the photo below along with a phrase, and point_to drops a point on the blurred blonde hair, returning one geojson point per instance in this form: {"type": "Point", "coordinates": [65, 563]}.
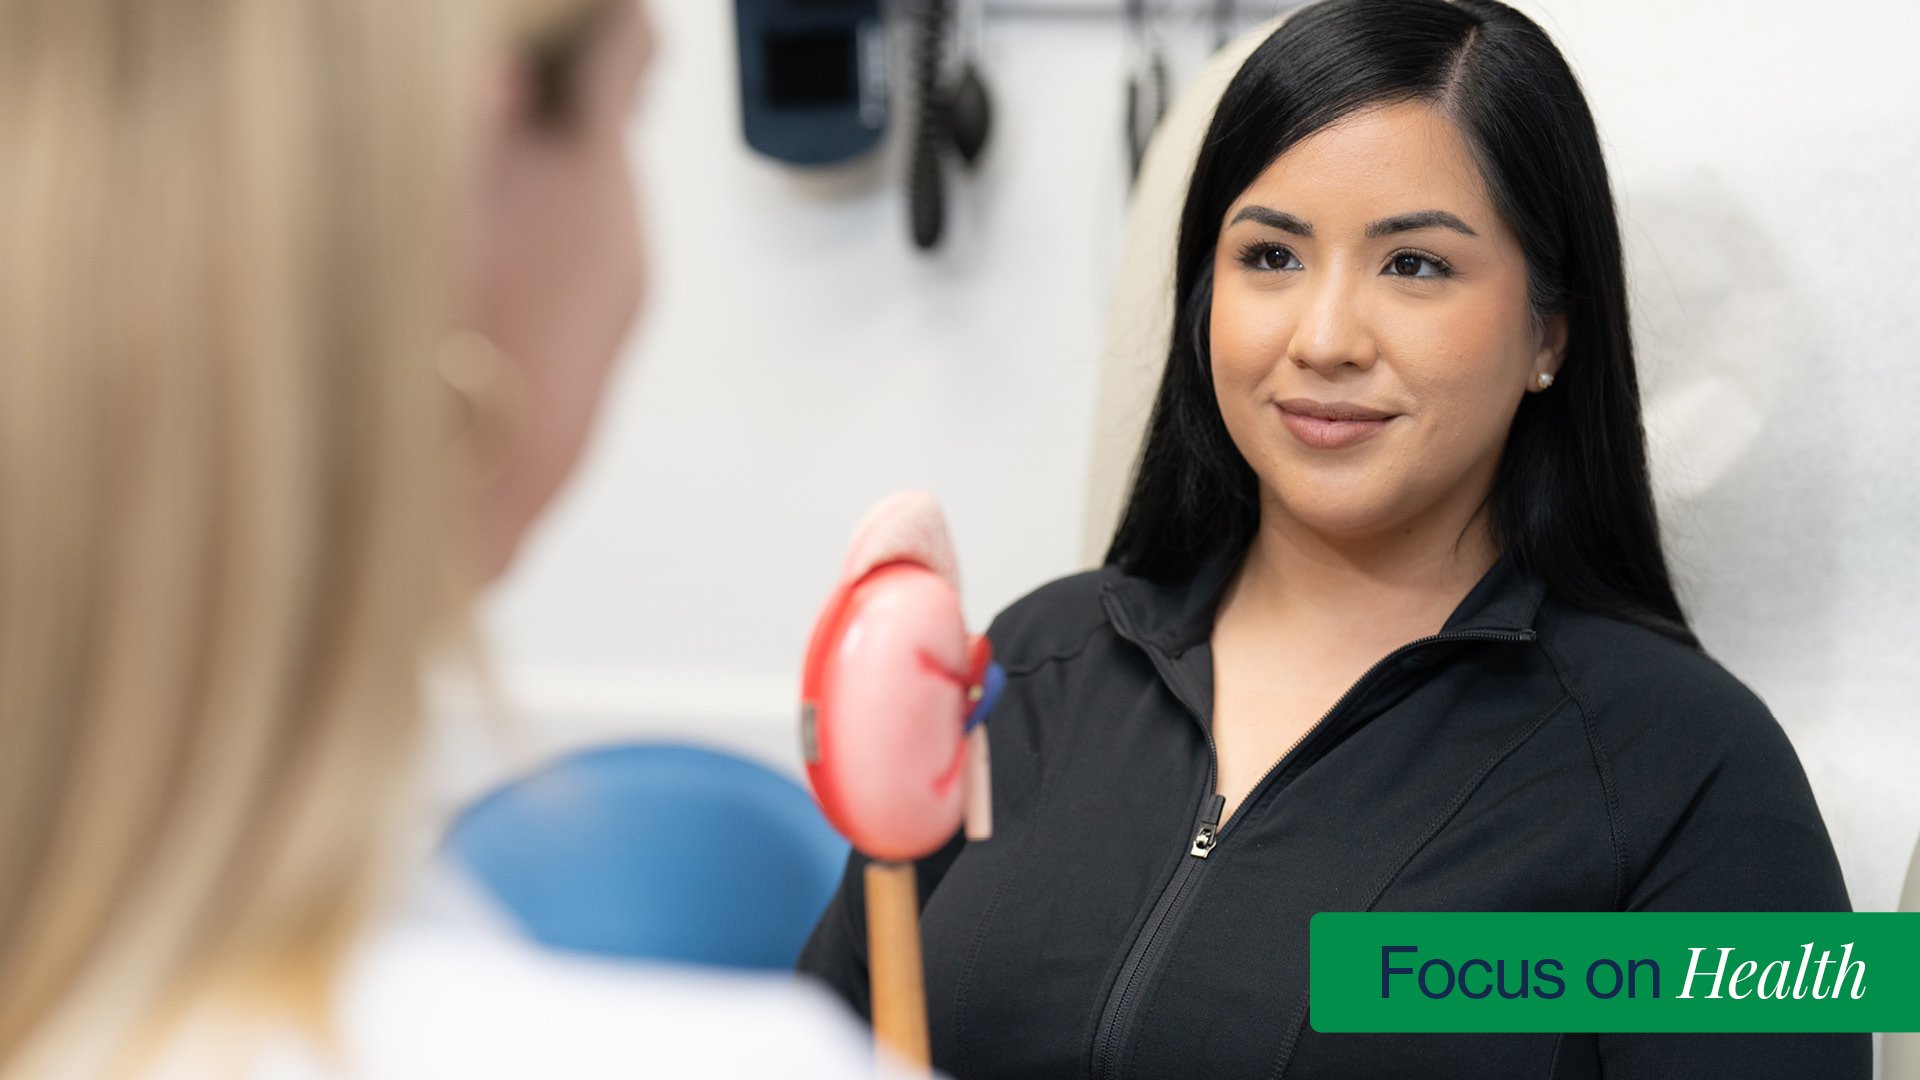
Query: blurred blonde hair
{"type": "Point", "coordinates": [228, 237]}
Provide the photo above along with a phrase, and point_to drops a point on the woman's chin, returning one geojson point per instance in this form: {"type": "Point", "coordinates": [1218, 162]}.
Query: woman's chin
{"type": "Point", "coordinates": [1348, 517]}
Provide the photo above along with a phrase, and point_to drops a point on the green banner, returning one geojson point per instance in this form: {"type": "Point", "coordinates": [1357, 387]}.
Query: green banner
{"type": "Point", "coordinates": [1612, 971]}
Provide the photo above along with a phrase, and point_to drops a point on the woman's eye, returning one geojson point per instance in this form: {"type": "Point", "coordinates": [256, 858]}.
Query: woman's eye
{"type": "Point", "coordinates": [1414, 264]}
{"type": "Point", "coordinates": [1269, 257]}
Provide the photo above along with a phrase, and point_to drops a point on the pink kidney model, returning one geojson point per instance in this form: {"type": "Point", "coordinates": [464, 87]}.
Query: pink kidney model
{"type": "Point", "coordinates": [895, 690]}
{"type": "Point", "coordinates": [893, 696]}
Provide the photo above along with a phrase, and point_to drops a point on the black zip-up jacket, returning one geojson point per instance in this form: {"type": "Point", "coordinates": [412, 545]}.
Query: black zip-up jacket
{"type": "Point", "coordinates": [1529, 757]}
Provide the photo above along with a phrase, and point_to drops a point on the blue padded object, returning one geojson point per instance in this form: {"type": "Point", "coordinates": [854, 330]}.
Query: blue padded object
{"type": "Point", "coordinates": [991, 684]}
{"type": "Point", "coordinates": [656, 851]}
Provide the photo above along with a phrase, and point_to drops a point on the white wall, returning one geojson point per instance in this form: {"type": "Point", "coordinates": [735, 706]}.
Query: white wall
{"type": "Point", "coordinates": [800, 360]}
{"type": "Point", "coordinates": [1766, 157]}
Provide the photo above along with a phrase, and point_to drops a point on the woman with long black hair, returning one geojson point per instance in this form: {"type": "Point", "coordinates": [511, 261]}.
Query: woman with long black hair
{"type": "Point", "coordinates": [1386, 624]}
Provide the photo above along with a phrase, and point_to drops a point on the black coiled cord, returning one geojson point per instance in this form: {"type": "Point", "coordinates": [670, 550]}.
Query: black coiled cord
{"type": "Point", "coordinates": [926, 186]}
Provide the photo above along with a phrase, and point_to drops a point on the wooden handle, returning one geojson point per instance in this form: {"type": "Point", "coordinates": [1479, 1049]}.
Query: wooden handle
{"type": "Point", "coordinates": [979, 786]}
{"type": "Point", "coordinates": [893, 962]}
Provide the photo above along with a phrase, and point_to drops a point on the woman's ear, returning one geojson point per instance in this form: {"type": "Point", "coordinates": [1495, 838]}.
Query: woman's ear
{"type": "Point", "coordinates": [1553, 346]}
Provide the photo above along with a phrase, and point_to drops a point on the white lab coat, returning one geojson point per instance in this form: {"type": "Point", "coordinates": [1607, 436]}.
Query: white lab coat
{"type": "Point", "coordinates": [419, 1004]}
{"type": "Point", "coordinates": [447, 990]}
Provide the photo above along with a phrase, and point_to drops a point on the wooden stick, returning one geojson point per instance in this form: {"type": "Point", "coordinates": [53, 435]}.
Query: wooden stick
{"type": "Point", "coordinates": [979, 785]}
{"type": "Point", "coordinates": [893, 963]}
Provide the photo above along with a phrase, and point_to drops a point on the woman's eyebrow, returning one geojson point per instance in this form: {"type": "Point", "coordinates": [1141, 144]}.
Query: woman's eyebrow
{"type": "Point", "coordinates": [1275, 219]}
{"type": "Point", "coordinates": [1399, 223]}
{"type": "Point", "coordinates": [1419, 219]}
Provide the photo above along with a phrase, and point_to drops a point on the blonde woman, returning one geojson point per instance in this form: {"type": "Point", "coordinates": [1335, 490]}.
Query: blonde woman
{"type": "Point", "coordinates": [305, 310]}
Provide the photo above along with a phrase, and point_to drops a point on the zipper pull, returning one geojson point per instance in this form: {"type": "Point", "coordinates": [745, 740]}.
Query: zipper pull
{"type": "Point", "coordinates": [1203, 842]}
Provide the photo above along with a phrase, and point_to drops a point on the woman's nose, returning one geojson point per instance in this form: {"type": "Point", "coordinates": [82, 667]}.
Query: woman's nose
{"type": "Point", "coordinates": [1332, 329]}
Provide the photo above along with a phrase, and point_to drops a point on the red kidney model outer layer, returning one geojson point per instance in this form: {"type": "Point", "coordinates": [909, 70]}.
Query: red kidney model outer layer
{"type": "Point", "coordinates": [886, 686]}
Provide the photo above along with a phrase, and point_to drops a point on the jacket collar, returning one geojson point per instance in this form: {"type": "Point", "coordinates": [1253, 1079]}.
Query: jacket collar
{"type": "Point", "coordinates": [1174, 616]}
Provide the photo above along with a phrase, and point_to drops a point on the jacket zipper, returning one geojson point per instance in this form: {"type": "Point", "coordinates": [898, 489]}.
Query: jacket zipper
{"type": "Point", "coordinates": [1121, 1002]}
{"type": "Point", "coordinates": [1124, 997]}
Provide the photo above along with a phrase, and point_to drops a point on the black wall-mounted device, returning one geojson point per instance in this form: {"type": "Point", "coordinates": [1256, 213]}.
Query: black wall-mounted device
{"type": "Point", "coordinates": [813, 86]}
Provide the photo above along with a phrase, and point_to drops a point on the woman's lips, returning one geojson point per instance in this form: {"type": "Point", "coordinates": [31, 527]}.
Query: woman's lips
{"type": "Point", "coordinates": [1331, 426]}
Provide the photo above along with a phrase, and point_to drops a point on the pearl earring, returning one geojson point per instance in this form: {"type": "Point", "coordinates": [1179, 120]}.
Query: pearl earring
{"type": "Point", "coordinates": [1545, 380]}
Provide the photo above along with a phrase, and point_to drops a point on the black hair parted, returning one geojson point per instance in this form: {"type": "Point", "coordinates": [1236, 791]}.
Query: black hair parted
{"type": "Point", "coordinates": [1571, 501]}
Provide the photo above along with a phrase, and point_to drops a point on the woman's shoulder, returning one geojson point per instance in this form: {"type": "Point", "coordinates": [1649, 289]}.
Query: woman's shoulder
{"type": "Point", "coordinates": [1052, 622]}
{"type": "Point", "coordinates": [1706, 799]}
{"type": "Point", "coordinates": [1620, 672]}
{"type": "Point", "coordinates": [1671, 728]}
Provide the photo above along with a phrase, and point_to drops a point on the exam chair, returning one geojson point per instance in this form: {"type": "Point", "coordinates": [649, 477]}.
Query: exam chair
{"type": "Point", "coordinates": [655, 851]}
{"type": "Point", "coordinates": [1141, 318]}
{"type": "Point", "coordinates": [1900, 1051]}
